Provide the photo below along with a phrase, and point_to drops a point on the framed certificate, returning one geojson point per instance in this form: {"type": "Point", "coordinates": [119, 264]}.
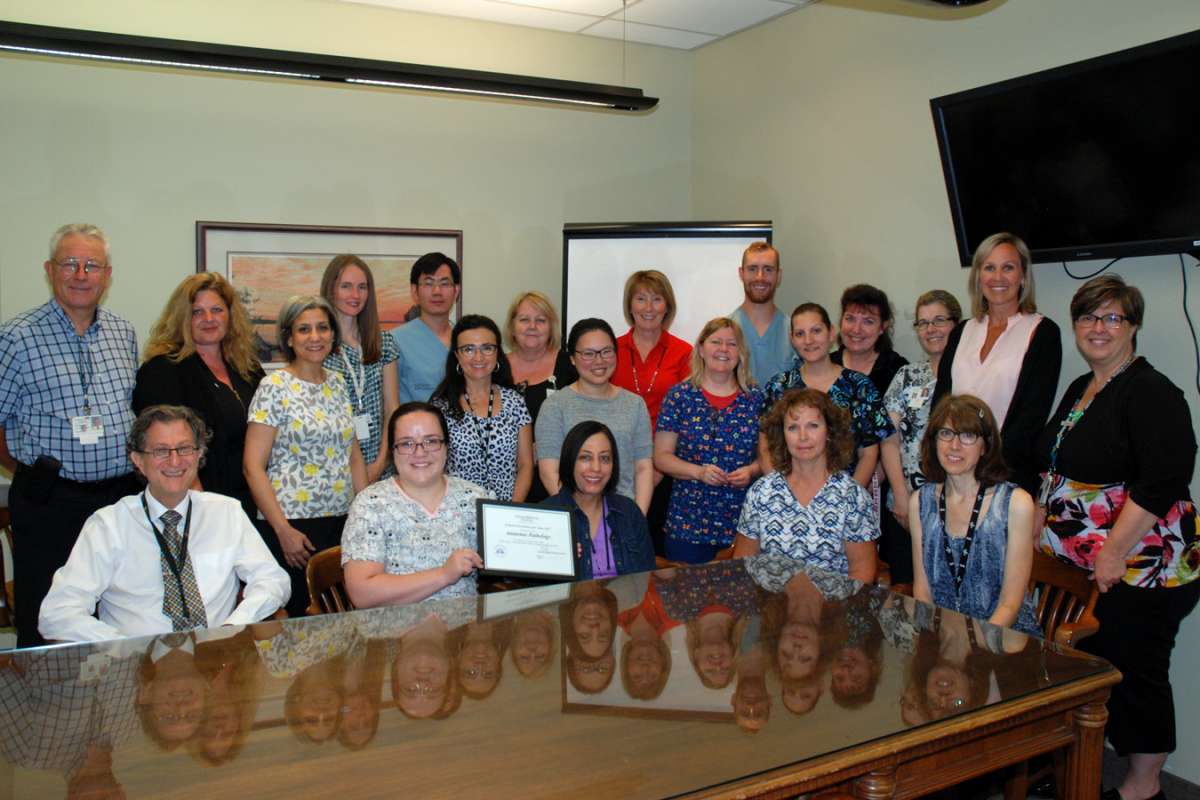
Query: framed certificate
{"type": "Point", "coordinates": [525, 539]}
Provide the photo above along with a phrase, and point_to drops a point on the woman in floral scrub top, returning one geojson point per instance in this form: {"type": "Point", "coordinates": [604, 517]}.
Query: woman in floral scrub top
{"type": "Point", "coordinates": [1120, 452]}
{"type": "Point", "coordinates": [301, 459]}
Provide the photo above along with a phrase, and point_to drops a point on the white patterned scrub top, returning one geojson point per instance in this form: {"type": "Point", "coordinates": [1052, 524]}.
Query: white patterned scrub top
{"type": "Point", "coordinates": [390, 528]}
{"type": "Point", "coordinates": [309, 465]}
{"type": "Point", "coordinates": [909, 397]}
{"type": "Point", "coordinates": [814, 534]}
{"type": "Point", "coordinates": [483, 450]}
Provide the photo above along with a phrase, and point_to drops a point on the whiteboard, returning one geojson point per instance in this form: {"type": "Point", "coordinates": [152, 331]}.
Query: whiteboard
{"type": "Point", "coordinates": [700, 259]}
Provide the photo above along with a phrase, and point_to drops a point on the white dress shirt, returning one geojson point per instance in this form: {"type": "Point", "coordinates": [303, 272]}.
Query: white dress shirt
{"type": "Point", "coordinates": [116, 563]}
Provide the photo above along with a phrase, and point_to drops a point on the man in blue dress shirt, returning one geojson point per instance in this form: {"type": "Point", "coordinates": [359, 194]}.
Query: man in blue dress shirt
{"type": "Point", "coordinates": [424, 342]}
{"type": "Point", "coordinates": [768, 332]}
{"type": "Point", "coordinates": [66, 380]}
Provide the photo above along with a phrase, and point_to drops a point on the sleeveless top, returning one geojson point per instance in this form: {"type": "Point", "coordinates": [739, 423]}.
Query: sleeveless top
{"type": "Point", "coordinates": [980, 592]}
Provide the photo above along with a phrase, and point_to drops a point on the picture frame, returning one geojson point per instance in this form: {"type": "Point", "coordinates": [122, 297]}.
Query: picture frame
{"type": "Point", "coordinates": [269, 262]}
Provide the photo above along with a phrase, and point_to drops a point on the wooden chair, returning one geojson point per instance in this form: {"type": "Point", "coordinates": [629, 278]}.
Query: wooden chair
{"type": "Point", "coordinates": [326, 589]}
{"type": "Point", "coordinates": [1066, 602]}
{"type": "Point", "coordinates": [6, 586]}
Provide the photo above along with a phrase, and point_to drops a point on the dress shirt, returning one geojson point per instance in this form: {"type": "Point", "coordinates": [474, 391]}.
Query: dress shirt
{"type": "Point", "coordinates": [117, 563]}
{"type": "Point", "coordinates": [49, 374]}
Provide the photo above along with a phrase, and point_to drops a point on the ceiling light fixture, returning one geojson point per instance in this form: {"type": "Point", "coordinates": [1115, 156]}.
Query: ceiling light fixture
{"type": "Point", "coordinates": [174, 53]}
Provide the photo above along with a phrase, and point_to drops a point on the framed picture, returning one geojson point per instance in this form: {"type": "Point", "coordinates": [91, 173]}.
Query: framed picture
{"type": "Point", "coordinates": [268, 263]}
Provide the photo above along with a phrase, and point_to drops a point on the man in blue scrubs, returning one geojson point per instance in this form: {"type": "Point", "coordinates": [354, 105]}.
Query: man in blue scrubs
{"type": "Point", "coordinates": [767, 330]}
{"type": "Point", "coordinates": [424, 342]}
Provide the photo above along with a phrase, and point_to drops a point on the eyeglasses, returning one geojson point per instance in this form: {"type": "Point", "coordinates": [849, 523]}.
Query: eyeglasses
{"type": "Point", "coordinates": [594, 668]}
{"type": "Point", "coordinates": [965, 438]}
{"type": "Point", "coordinates": [591, 355]}
{"type": "Point", "coordinates": [937, 322]}
{"type": "Point", "coordinates": [163, 453]}
{"type": "Point", "coordinates": [430, 283]}
{"type": "Point", "coordinates": [1111, 322]}
{"type": "Point", "coordinates": [469, 350]}
{"type": "Point", "coordinates": [407, 447]}
{"type": "Point", "coordinates": [69, 266]}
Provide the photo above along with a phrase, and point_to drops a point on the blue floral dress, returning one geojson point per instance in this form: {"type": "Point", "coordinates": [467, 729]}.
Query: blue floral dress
{"type": "Point", "coordinates": [699, 513]}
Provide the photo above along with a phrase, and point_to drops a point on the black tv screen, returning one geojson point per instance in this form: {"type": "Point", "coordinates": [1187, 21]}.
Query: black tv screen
{"type": "Point", "coordinates": [1096, 159]}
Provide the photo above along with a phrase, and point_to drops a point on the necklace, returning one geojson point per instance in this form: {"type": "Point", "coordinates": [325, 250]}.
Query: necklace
{"type": "Point", "coordinates": [483, 429]}
{"type": "Point", "coordinates": [635, 356]}
{"type": "Point", "coordinates": [1072, 418]}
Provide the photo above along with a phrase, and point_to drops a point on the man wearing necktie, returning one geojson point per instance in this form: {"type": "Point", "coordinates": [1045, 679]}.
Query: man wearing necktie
{"type": "Point", "coordinates": [165, 559]}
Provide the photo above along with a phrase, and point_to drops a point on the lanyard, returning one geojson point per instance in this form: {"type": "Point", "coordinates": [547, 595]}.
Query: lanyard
{"type": "Point", "coordinates": [605, 531]}
{"type": "Point", "coordinates": [176, 567]}
{"type": "Point", "coordinates": [87, 371]}
{"type": "Point", "coordinates": [958, 569]}
{"type": "Point", "coordinates": [357, 377]}
{"type": "Point", "coordinates": [483, 428]}
{"type": "Point", "coordinates": [634, 357]}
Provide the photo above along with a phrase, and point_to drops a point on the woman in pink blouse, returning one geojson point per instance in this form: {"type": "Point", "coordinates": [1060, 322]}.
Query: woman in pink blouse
{"type": "Point", "coordinates": [1006, 354]}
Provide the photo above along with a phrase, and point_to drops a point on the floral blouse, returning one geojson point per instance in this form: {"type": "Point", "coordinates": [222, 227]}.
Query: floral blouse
{"type": "Point", "coordinates": [699, 513]}
{"type": "Point", "coordinates": [309, 466]}
{"type": "Point", "coordinates": [910, 397]}
{"type": "Point", "coordinates": [388, 527]}
{"type": "Point", "coordinates": [852, 391]}
{"type": "Point", "coordinates": [814, 534]}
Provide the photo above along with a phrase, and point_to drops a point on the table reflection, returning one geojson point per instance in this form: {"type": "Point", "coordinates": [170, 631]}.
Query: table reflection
{"type": "Point", "coordinates": [756, 663]}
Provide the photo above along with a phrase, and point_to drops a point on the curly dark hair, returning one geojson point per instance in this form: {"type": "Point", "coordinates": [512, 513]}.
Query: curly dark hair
{"type": "Point", "coordinates": [839, 439]}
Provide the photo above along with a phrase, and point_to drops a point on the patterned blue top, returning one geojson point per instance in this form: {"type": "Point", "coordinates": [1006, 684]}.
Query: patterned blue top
{"type": "Point", "coordinates": [816, 533]}
{"type": "Point", "coordinates": [985, 565]}
{"type": "Point", "coordinates": [699, 513]}
{"type": "Point", "coordinates": [371, 380]}
{"type": "Point", "coordinates": [49, 373]}
{"type": "Point", "coordinates": [852, 391]}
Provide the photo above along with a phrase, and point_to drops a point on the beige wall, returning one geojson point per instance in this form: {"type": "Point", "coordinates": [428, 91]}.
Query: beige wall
{"type": "Point", "coordinates": [821, 122]}
{"type": "Point", "coordinates": [146, 153]}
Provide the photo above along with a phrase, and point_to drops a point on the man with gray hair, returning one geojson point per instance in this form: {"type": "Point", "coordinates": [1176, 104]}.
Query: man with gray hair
{"type": "Point", "coordinates": [66, 380]}
{"type": "Point", "coordinates": [168, 558]}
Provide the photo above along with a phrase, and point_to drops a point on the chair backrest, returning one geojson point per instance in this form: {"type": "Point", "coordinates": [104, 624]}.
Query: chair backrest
{"type": "Point", "coordinates": [326, 589]}
{"type": "Point", "coordinates": [1066, 600]}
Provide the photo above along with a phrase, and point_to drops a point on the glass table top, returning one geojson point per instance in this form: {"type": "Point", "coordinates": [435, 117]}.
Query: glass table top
{"type": "Point", "coordinates": [647, 685]}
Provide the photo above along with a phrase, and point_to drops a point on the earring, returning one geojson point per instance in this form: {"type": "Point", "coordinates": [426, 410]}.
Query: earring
{"type": "Point", "coordinates": [497, 367]}
{"type": "Point", "coordinates": [458, 367]}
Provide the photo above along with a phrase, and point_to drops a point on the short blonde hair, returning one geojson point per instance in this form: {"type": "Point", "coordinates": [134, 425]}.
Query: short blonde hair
{"type": "Point", "coordinates": [742, 374]}
{"type": "Point", "coordinates": [542, 303]}
{"type": "Point", "coordinates": [656, 282]}
{"type": "Point", "coordinates": [979, 304]}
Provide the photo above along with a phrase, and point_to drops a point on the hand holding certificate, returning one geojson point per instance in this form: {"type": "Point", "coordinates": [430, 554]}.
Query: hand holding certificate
{"type": "Point", "coordinates": [525, 539]}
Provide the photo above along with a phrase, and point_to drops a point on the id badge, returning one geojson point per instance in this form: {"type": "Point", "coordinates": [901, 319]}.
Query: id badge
{"type": "Point", "coordinates": [362, 427]}
{"type": "Point", "coordinates": [87, 428]}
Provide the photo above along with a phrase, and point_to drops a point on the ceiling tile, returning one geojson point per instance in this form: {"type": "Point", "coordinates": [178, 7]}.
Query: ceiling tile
{"type": "Point", "coordinates": [720, 17]}
{"type": "Point", "coordinates": [649, 34]}
{"type": "Point", "coordinates": [595, 8]}
{"type": "Point", "coordinates": [508, 13]}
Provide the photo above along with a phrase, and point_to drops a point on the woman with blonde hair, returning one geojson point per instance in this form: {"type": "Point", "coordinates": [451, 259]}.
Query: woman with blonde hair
{"type": "Point", "coordinates": [363, 357]}
{"type": "Point", "coordinates": [707, 441]}
{"type": "Point", "coordinates": [201, 354]}
{"type": "Point", "coordinates": [1007, 354]}
{"type": "Point", "coordinates": [539, 365]}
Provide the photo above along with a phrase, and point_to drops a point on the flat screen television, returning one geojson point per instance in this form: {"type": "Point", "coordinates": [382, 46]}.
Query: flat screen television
{"type": "Point", "coordinates": [1096, 159]}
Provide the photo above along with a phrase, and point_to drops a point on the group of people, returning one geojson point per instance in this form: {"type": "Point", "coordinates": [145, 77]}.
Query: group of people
{"type": "Point", "coordinates": [760, 435]}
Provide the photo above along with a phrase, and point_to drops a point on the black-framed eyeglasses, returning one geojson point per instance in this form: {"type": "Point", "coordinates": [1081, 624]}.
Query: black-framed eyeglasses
{"type": "Point", "coordinates": [430, 444]}
{"type": "Point", "coordinates": [469, 350]}
{"type": "Point", "coordinates": [1111, 322]}
{"type": "Point", "coordinates": [965, 438]}
{"type": "Point", "coordinates": [592, 355]}
{"type": "Point", "coordinates": [163, 453]}
{"type": "Point", "coordinates": [937, 322]}
{"type": "Point", "coordinates": [69, 266]}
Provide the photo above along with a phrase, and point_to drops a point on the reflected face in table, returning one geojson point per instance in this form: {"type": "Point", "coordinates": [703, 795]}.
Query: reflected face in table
{"type": "Point", "coordinates": [751, 704]}
{"type": "Point", "coordinates": [318, 712]}
{"type": "Point", "coordinates": [531, 650]}
{"type": "Point", "coordinates": [593, 627]}
{"type": "Point", "coordinates": [421, 678]}
{"type": "Point", "coordinates": [479, 668]}
{"type": "Point", "coordinates": [220, 731]}
{"type": "Point", "coordinates": [176, 705]}
{"type": "Point", "coordinates": [714, 662]}
{"type": "Point", "coordinates": [947, 689]}
{"type": "Point", "coordinates": [799, 650]}
{"type": "Point", "coordinates": [360, 720]}
{"type": "Point", "coordinates": [799, 697]}
{"type": "Point", "coordinates": [852, 672]}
